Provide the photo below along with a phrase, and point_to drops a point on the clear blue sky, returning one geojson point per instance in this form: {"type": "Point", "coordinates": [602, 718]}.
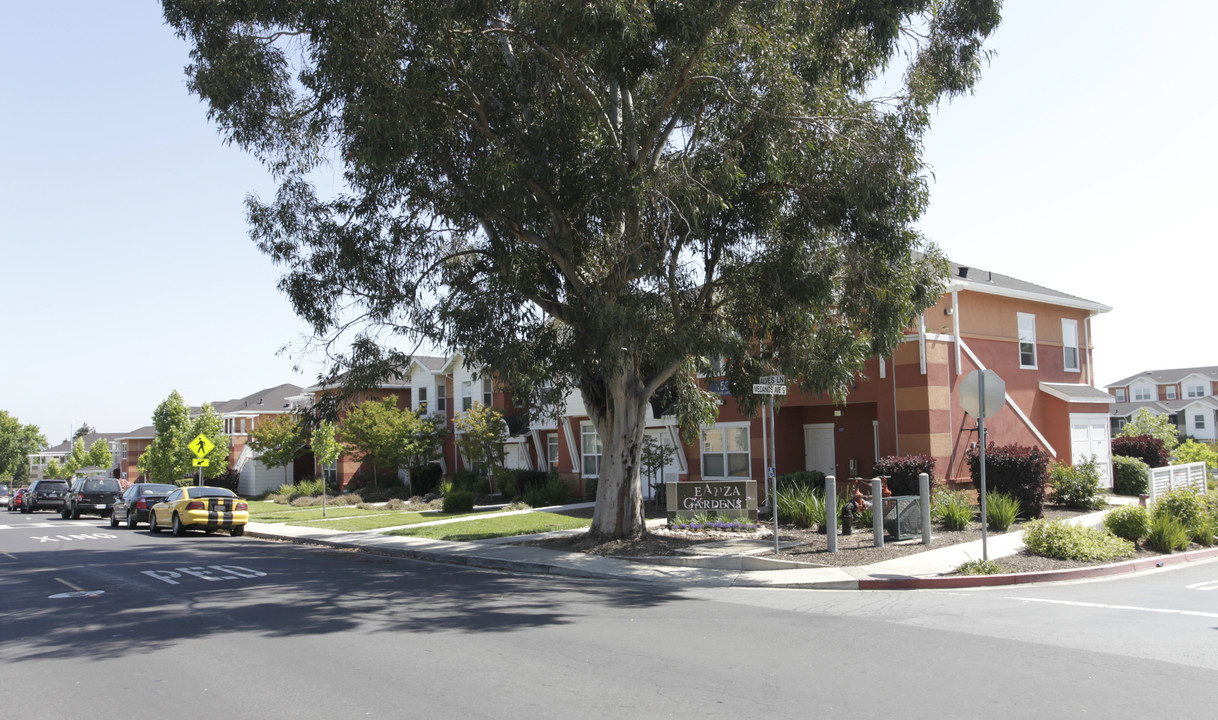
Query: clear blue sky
{"type": "Point", "coordinates": [1085, 162]}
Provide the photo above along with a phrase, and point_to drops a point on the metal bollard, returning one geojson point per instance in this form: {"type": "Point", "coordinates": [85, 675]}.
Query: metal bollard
{"type": "Point", "coordinates": [877, 511]}
{"type": "Point", "coordinates": [831, 513]}
{"type": "Point", "coordinates": [924, 497]}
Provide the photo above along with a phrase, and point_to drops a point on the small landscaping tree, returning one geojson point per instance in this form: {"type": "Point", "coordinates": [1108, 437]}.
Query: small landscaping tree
{"type": "Point", "coordinates": [278, 442]}
{"type": "Point", "coordinates": [1191, 451]}
{"type": "Point", "coordinates": [1145, 422]}
{"type": "Point", "coordinates": [1130, 476]}
{"type": "Point", "coordinates": [480, 434]}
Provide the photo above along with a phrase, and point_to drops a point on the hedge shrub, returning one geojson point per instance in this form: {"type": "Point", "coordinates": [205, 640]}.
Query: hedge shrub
{"type": "Point", "coordinates": [1016, 470]}
{"type": "Point", "coordinates": [1077, 486]}
{"type": "Point", "coordinates": [426, 479]}
{"type": "Point", "coordinates": [459, 501]}
{"type": "Point", "coordinates": [1147, 448]}
{"type": "Point", "coordinates": [1130, 476]}
{"type": "Point", "coordinates": [805, 479]}
{"type": "Point", "coordinates": [902, 472]}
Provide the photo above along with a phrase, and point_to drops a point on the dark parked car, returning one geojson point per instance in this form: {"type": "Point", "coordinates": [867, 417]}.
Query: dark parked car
{"type": "Point", "coordinates": [14, 503]}
{"type": "Point", "coordinates": [44, 495]}
{"type": "Point", "coordinates": [133, 506]}
{"type": "Point", "coordinates": [5, 495]}
{"type": "Point", "coordinates": [90, 495]}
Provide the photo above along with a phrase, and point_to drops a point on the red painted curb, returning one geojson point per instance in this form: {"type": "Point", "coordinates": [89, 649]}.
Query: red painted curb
{"type": "Point", "coordinates": [967, 581]}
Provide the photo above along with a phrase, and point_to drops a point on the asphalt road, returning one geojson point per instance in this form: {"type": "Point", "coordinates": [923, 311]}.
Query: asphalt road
{"type": "Point", "coordinates": [101, 623]}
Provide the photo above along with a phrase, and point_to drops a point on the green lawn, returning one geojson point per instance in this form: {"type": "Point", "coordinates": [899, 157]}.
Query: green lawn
{"type": "Point", "coordinates": [284, 513]}
{"type": "Point", "coordinates": [506, 526]}
{"type": "Point", "coordinates": [371, 520]}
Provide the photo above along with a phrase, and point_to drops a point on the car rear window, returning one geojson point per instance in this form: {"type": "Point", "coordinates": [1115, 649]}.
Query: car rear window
{"type": "Point", "coordinates": [101, 485]}
{"type": "Point", "coordinates": [205, 492]}
{"type": "Point", "coordinates": [147, 490]}
{"type": "Point", "coordinates": [52, 485]}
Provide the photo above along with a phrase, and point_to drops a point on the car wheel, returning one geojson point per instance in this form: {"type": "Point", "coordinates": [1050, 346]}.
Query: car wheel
{"type": "Point", "coordinates": [178, 530]}
{"type": "Point", "coordinates": [25, 509]}
{"type": "Point", "coordinates": [65, 514]}
{"type": "Point", "coordinates": [152, 526]}
{"type": "Point", "coordinates": [131, 521]}
{"type": "Point", "coordinates": [236, 531]}
{"type": "Point", "coordinates": [113, 520]}
{"type": "Point", "coordinates": [76, 514]}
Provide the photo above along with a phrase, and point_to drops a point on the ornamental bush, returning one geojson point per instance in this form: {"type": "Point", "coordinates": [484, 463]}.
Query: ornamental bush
{"type": "Point", "coordinates": [1130, 476]}
{"type": "Point", "coordinates": [1149, 449]}
{"type": "Point", "coordinates": [1077, 486]}
{"type": "Point", "coordinates": [1184, 505]}
{"type": "Point", "coordinates": [1167, 534]}
{"type": "Point", "coordinates": [902, 472]}
{"type": "Point", "coordinates": [1062, 540]}
{"type": "Point", "coordinates": [1016, 470]}
{"type": "Point", "coordinates": [808, 479]}
{"type": "Point", "coordinates": [1130, 522]}
{"type": "Point", "coordinates": [1001, 511]}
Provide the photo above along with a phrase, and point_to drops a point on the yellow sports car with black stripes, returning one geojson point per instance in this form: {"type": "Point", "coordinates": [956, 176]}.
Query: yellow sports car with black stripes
{"type": "Point", "coordinates": [200, 508]}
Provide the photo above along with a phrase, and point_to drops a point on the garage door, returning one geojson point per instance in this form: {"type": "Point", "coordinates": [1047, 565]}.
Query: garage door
{"type": "Point", "coordinates": [1089, 436]}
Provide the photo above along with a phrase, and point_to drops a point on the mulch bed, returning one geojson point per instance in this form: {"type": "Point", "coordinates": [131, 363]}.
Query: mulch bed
{"type": "Point", "coordinates": [811, 546]}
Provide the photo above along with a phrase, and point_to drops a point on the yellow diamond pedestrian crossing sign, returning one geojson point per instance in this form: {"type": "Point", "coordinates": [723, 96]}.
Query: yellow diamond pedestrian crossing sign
{"type": "Point", "coordinates": [202, 445]}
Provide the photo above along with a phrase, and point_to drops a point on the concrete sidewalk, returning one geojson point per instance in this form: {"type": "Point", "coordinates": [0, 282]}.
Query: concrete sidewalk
{"type": "Point", "coordinates": [922, 570]}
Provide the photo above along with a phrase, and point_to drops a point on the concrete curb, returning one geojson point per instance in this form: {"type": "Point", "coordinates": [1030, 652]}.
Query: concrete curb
{"type": "Point", "coordinates": [1083, 573]}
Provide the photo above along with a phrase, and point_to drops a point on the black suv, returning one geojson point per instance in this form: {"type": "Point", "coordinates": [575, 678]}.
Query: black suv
{"type": "Point", "coordinates": [44, 495]}
{"type": "Point", "coordinates": [90, 495]}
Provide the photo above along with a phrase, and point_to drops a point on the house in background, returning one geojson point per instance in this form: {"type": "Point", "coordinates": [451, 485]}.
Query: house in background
{"type": "Point", "coordinates": [241, 417]}
{"type": "Point", "coordinates": [61, 452]}
{"type": "Point", "coordinates": [1185, 395]}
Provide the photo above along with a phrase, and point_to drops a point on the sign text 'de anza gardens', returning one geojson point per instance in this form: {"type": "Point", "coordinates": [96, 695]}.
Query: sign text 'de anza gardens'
{"type": "Point", "coordinates": [735, 499]}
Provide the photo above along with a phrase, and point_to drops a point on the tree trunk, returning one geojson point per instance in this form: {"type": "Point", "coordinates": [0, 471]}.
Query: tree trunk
{"type": "Point", "coordinates": [620, 418]}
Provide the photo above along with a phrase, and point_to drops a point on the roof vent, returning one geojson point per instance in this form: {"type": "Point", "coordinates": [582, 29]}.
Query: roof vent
{"type": "Point", "coordinates": [963, 271]}
{"type": "Point", "coordinates": [259, 401]}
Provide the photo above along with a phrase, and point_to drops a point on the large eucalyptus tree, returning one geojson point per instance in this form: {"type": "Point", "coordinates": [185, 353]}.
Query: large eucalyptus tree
{"type": "Point", "coordinates": [600, 194]}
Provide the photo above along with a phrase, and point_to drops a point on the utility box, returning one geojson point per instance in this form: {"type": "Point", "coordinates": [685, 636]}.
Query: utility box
{"type": "Point", "coordinates": [903, 517]}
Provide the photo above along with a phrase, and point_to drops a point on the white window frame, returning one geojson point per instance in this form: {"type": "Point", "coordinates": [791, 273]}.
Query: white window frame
{"type": "Point", "coordinates": [1170, 392]}
{"type": "Point", "coordinates": [441, 396]}
{"type": "Point", "coordinates": [467, 395]}
{"type": "Point", "coordinates": [1137, 393]}
{"type": "Point", "coordinates": [488, 392]}
{"type": "Point", "coordinates": [552, 451]}
{"type": "Point", "coordinates": [1120, 395]}
{"type": "Point", "coordinates": [1070, 344]}
{"type": "Point", "coordinates": [589, 439]}
{"type": "Point", "coordinates": [1199, 421]}
{"type": "Point", "coordinates": [421, 398]}
{"type": "Point", "coordinates": [1196, 391]}
{"type": "Point", "coordinates": [727, 433]}
{"type": "Point", "coordinates": [1027, 336]}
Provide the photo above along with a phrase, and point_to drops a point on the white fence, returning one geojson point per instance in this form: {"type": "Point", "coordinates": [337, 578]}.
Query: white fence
{"type": "Point", "coordinates": [1173, 477]}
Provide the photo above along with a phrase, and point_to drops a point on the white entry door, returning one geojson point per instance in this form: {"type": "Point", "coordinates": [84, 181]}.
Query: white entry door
{"type": "Point", "coordinates": [1089, 436]}
{"type": "Point", "coordinates": [818, 448]}
{"type": "Point", "coordinates": [670, 472]}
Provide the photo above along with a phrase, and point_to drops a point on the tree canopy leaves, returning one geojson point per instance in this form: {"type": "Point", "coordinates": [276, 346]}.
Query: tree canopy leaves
{"type": "Point", "coordinates": [596, 195]}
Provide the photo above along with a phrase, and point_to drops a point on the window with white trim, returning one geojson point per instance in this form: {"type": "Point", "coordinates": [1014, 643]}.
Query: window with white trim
{"type": "Point", "coordinates": [1198, 422]}
{"type": "Point", "coordinates": [422, 399]}
{"type": "Point", "coordinates": [725, 451]}
{"type": "Point", "coordinates": [1170, 392]}
{"type": "Point", "coordinates": [1120, 394]}
{"type": "Point", "coordinates": [488, 392]}
{"type": "Point", "coordinates": [1141, 392]}
{"type": "Point", "coordinates": [1027, 340]}
{"type": "Point", "coordinates": [330, 474]}
{"type": "Point", "coordinates": [467, 395]}
{"type": "Point", "coordinates": [552, 450]}
{"type": "Point", "coordinates": [1196, 391]}
{"type": "Point", "coordinates": [441, 396]}
{"type": "Point", "coordinates": [591, 449]}
{"type": "Point", "coordinates": [1070, 345]}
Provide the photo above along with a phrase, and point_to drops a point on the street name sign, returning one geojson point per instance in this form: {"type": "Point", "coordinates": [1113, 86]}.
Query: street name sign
{"type": "Point", "coordinates": [767, 389]}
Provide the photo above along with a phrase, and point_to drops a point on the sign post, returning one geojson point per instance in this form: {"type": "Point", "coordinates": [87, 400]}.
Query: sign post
{"type": "Point", "coordinates": [982, 393]}
{"type": "Point", "coordinates": [771, 385]}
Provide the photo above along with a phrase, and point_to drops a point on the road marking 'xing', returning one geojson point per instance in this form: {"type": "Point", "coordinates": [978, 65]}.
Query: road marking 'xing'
{"type": "Point", "coordinates": [1102, 606]}
{"type": "Point", "coordinates": [70, 538]}
{"type": "Point", "coordinates": [231, 572]}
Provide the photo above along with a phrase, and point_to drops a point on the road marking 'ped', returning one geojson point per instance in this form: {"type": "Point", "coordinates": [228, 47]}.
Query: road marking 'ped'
{"type": "Point", "coordinates": [232, 572]}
